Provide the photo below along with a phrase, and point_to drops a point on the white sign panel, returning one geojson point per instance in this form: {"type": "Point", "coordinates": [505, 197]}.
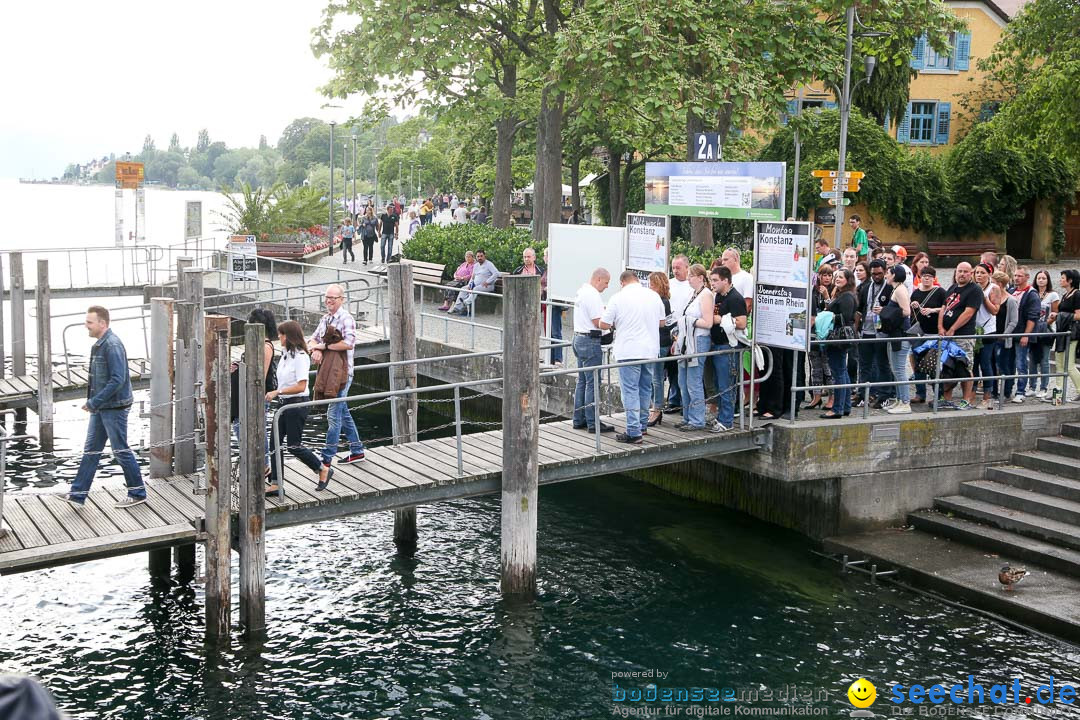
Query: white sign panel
{"type": "Point", "coordinates": [243, 263]}
{"type": "Point", "coordinates": [782, 258]}
{"type": "Point", "coordinates": [576, 250]}
{"type": "Point", "coordinates": [192, 219]}
{"type": "Point", "coordinates": [648, 242]}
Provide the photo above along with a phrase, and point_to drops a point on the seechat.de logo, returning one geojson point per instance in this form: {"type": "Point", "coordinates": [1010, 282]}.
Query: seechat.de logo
{"type": "Point", "coordinates": [862, 694]}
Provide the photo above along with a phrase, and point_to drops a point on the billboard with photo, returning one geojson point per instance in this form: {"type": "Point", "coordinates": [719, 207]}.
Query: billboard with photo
{"type": "Point", "coordinates": [741, 190]}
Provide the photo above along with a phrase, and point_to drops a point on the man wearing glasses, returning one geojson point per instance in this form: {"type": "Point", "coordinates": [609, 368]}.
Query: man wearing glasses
{"type": "Point", "coordinates": [337, 415]}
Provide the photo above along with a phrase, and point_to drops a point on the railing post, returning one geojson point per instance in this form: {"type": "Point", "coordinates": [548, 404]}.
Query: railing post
{"type": "Point", "coordinates": [161, 425]}
{"type": "Point", "coordinates": [252, 486]}
{"type": "Point", "coordinates": [457, 430]}
{"type": "Point", "coordinates": [521, 432]}
{"type": "Point", "coordinates": [937, 375]}
{"type": "Point", "coordinates": [186, 360]}
{"type": "Point", "coordinates": [596, 406]}
{"type": "Point", "coordinates": [403, 377]}
{"type": "Point", "coordinates": [44, 342]}
{"type": "Point", "coordinates": [219, 478]}
{"type": "Point", "coordinates": [18, 324]}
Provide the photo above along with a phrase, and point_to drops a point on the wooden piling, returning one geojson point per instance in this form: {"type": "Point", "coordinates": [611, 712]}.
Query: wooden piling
{"type": "Point", "coordinates": [219, 477]}
{"type": "Point", "coordinates": [18, 324]}
{"type": "Point", "coordinates": [404, 409]}
{"type": "Point", "coordinates": [521, 432]}
{"type": "Point", "coordinates": [252, 485]}
{"type": "Point", "coordinates": [161, 410]}
{"type": "Point", "coordinates": [3, 369]}
{"type": "Point", "coordinates": [185, 359]}
{"type": "Point", "coordinates": [44, 343]}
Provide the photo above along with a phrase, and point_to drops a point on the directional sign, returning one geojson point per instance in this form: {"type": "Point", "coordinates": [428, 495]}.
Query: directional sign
{"type": "Point", "coordinates": [832, 194]}
{"type": "Point", "coordinates": [853, 174]}
{"type": "Point", "coordinates": [848, 185]}
{"type": "Point", "coordinates": [840, 201]}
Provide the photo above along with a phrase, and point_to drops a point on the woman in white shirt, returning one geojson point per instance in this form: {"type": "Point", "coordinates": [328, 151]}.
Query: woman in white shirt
{"type": "Point", "coordinates": [1039, 349]}
{"type": "Point", "coordinates": [292, 375]}
{"type": "Point", "coordinates": [695, 320]}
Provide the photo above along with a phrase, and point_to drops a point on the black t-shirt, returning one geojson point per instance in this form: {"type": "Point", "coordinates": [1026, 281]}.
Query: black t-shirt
{"type": "Point", "coordinates": [665, 331]}
{"type": "Point", "coordinates": [934, 298]}
{"type": "Point", "coordinates": [957, 299]}
{"type": "Point", "coordinates": [843, 306]}
{"type": "Point", "coordinates": [733, 303]}
{"type": "Point", "coordinates": [389, 223]}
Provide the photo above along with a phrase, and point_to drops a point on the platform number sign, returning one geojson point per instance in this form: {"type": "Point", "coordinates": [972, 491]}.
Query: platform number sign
{"type": "Point", "coordinates": [707, 146]}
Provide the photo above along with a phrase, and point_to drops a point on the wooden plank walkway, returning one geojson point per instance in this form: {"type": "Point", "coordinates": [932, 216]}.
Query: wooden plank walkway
{"type": "Point", "coordinates": [18, 392]}
{"type": "Point", "coordinates": [46, 531]}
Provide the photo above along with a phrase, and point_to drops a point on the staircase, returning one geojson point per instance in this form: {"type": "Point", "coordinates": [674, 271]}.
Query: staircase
{"type": "Point", "coordinates": [1026, 512]}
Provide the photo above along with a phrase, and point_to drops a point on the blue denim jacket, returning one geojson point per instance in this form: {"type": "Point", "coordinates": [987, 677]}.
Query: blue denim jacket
{"type": "Point", "coordinates": [110, 382]}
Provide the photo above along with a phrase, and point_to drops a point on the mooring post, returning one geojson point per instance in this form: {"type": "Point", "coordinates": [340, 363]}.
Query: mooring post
{"type": "Point", "coordinates": [218, 477]}
{"type": "Point", "coordinates": [185, 359]}
{"type": "Point", "coordinates": [521, 432]}
{"type": "Point", "coordinates": [18, 325]}
{"type": "Point", "coordinates": [252, 485]}
{"type": "Point", "coordinates": [44, 342]}
{"type": "Point", "coordinates": [402, 377]}
{"type": "Point", "coordinates": [161, 420]}
{"type": "Point", "coordinates": [3, 369]}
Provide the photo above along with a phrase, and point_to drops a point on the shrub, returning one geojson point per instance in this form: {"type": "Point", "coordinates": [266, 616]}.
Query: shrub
{"type": "Point", "coordinates": [447, 245]}
{"type": "Point", "coordinates": [680, 246]}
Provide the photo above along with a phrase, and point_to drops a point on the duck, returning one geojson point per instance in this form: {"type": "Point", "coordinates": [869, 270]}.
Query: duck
{"type": "Point", "coordinates": [1009, 576]}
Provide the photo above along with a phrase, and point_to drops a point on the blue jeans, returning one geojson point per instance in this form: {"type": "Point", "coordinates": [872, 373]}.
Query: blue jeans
{"type": "Point", "coordinates": [838, 366]}
{"type": "Point", "coordinates": [985, 361]}
{"type": "Point", "coordinates": [899, 361]}
{"type": "Point", "coordinates": [386, 247]}
{"type": "Point", "coordinates": [873, 368]}
{"type": "Point", "coordinates": [110, 425]}
{"type": "Point", "coordinates": [588, 353]}
{"type": "Point", "coordinates": [635, 383]}
{"type": "Point", "coordinates": [659, 371]}
{"type": "Point", "coordinates": [1021, 354]}
{"type": "Point", "coordinates": [691, 384]}
{"type": "Point", "coordinates": [338, 417]}
{"type": "Point", "coordinates": [1039, 362]}
{"type": "Point", "coordinates": [1006, 365]}
{"type": "Point", "coordinates": [725, 384]}
{"type": "Point", "coordinates": [556, 332]}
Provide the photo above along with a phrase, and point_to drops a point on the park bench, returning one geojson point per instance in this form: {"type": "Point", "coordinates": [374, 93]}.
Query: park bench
{"type": "Point", "coordinates": [962, 249]}
{"type": "Point", "coordinates": [426, 272]}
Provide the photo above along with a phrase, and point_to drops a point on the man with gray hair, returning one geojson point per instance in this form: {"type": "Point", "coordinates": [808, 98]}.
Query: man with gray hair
{"type": "Point", "coordinates": [681, 292]}
{"type": "Point", "coordinates": [588, 308]}
{"type": "Point", "coordinates": [741, 281]}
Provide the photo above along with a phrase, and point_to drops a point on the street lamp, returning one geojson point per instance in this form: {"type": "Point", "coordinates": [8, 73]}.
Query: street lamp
{"type": "Point", "coordinates": [331, 231]}
{"type": "Point", "coordinates": [354, 173]}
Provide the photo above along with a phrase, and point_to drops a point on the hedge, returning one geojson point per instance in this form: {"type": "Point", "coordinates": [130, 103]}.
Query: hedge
{"type": "Point", "coordinates": [446, 244]}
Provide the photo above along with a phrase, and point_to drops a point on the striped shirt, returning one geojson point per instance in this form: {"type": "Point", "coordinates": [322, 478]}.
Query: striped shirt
{"type": "Point", "coordinates": [346, 325]}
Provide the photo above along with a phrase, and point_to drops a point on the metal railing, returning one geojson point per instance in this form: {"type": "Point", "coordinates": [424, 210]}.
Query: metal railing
{"type": "Point", "coordinates": [937, 381]}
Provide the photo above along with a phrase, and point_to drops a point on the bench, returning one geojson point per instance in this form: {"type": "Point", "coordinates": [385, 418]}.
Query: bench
{"type": "Point", "coordinates": [962, 249]}
{"type": "Point", "coordinates": [426, 272]}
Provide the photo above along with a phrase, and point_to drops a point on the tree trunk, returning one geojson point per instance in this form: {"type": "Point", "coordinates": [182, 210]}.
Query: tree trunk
{"type": "Point", "coordinates": [700, 228]}
{"type": "Point", "coordinates": [575, 191]}
{"type": "Point", "coordinates": [616, 191]}
{"type": "Point", "coordinates": [547, 185]}
{"type": "Point", "coordinates": [505, 129]}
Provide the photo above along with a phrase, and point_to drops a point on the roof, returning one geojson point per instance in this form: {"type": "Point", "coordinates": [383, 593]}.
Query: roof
{"type": "Point", "coordinates": [1008, 9]}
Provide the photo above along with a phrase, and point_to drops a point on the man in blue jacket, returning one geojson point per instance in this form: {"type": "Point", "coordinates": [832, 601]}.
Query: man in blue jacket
{"type": "Point", "coordinates": [108, 400]}
{"type": "Point", "coordinates": [1029, 308]}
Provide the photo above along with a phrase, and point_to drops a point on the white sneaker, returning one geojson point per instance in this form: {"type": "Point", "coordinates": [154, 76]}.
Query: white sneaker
{"type": "Point", "coordinates": [1032, 392]}
{"type": "Point", "coordinates": [718, 427]}
{"type": "Point", "coordinates": [1041, 394]}
{"type": "Point", "coordinates": [1018, 399]}
{"type": "Point", "coordinates": [130, 502]}
{"type": "Point", "coordinates": [899, 408]}
{"type": "Point", "coordinates": [888, 404]}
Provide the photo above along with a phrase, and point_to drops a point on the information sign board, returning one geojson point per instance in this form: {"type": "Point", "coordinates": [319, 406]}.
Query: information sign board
{"type": "Point", "coordinates": [648, 242]}
{"type": "Point", "coordinates": [243, 260]}
{"type": "Point", "coordinates": [752, 190]}
{"type": "Point", "coordinates": [782, 262]}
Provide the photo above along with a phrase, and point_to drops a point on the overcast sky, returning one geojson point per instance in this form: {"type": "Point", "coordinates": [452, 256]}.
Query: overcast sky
{"type": "Point", "coordinates": [83, 79]}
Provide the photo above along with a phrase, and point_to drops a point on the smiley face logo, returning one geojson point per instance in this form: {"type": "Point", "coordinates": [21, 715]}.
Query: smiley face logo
{"type": "Point", "coordinates": [862, 693]}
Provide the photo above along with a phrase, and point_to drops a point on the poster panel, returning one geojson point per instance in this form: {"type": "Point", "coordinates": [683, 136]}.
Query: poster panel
{"type": "Point", "coordinates": [243, 263]}
{"type": "Point", "coordinates": [743, 190]}
{"type": "Point", "coordinates": [648, 243]}
{"type": "Point", "coordinates": [782, 256]}
{"type": "Point", "coordinates": [574, 251]}
{"type": "Point", "coordinates": [193, 219]}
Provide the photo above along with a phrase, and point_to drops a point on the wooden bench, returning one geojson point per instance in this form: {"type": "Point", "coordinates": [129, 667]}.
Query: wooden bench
{"type": "Point", "coordinates": [426, 272]}
{"type": "Point", "coordinates": [962, 249]}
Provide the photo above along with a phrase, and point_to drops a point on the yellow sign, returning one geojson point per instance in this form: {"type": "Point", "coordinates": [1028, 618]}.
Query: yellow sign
{"type": "Point", "coordinates": [852, 175]}
{"type": "Point", "coordinates": [129, 175]}
{"type": "Point", "coordinates": [829, 184]}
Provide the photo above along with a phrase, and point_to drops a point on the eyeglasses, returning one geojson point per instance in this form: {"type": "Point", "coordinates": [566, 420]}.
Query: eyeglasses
{"type": "Point", "coordinates": [334, 297]}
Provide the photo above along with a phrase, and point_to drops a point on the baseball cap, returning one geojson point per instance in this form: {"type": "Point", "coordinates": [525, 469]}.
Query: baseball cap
{"type": "Point", "coordinates": [901, 251]}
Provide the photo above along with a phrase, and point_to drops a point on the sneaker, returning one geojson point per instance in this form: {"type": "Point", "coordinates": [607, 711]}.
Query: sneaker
{"type": "Point", "coordinates": [582, 426]}
{"type": "Point", "coordinates": [130, 502]}
{"type": "Point", "coordinates": [889, 403]}
{"type": "Point", "coordinates": [631, 439]}
{"type": "Point", "coordinates": [899, 408]}
{"type": "Point", "coordinates": [718, 427]}
{"type": "Point", "coordinates": [605, 427]}
{"type": "Point", "coordinates": [1032, 392]}
{"type": "Point", "coordinates": [73, 502]}
{"type": "Point", "coordinates": [1041, 394]}
{"type": "Point", "coordinates": [946, 405]}
{"type": "Point", "coordinates": [681, 424]}
{"type": "Point", "coordinates": [985, 404]}
{"type": "Point", "coordinates": [354, 458]}
{"type": "Point", "coordinates": [1018, 398]}
{"type": "Point", "coordinates": [963, 405]}
{"type": "Point", "coordinates": [687, 427]}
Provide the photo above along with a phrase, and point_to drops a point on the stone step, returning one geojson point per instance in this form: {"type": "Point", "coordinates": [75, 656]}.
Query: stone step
{"type": "Point", "coordinates": [1046, 599]}
{"type": "Point", "coordinates": [1035, 481]}
{"type": "Point", "coordinates": [1017, 521]}
{"type": "Point", "coordinates": [1014, 498]}
{"type": "Point", "coordinates": [1071, 430]}
{"type": "Point", "coordinates": [1064, 446]}
{"type": "Point", "coordinates": [1010, 546]}
{"type": "Point", "coordinates": [1048, 463]}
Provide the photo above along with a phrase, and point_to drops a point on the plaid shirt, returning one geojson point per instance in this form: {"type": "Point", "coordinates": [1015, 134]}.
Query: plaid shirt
{"type": "Point", "coordinates": [346, 325]}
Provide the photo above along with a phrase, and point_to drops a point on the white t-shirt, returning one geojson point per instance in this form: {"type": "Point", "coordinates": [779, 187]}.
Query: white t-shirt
{"type": "Point", "coordinates": [588, 305]}
{"type": "Point", "coordinates": [461, 215]}
{"type": "Point", "coordinates": [680, 294]}
{"type": "Point", "coordinates": [636, 312]}
{"type": "Point", "coordinates": [744, 283]}
{"type": "Point", "coordinates": [291, 369]}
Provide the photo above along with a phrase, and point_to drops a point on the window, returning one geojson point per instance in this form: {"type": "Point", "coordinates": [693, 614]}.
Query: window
{"type": "Point", "coordinates": [926, 122]}
{"type": "Point", "coordinates": [938, 61]}
{"type": "Point", "coordinates": [958, 58]}
{"type": "Point", "coordinates": [921, 125]}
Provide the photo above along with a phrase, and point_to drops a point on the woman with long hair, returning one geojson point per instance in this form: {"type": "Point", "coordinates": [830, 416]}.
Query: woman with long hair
{"type": "Point", "coordinates": [658, 283]}
{"type": "Point", "coordinates": [369, 233]}
{"type": "Point", "coordinates": [820, 375]}
{"type": "Point", "coordinates": [1068, 315]}
{"type": "Point", "coordinates": [293, 371]}
{"type": "Point", "coordinates": [900, 348]}
{"type": "Point", "coordinates": [1039, 349]}
{"type": "Point", "coordinates": [990, 359]}
{"type": "Point", "coordinates": [920, 262]}
{"type": "Point", "coordinates": [695, 321]}
{"type": "Point", "coordinates": [843, 306]}
{"type": "Point", "coordinates": [861, 272]}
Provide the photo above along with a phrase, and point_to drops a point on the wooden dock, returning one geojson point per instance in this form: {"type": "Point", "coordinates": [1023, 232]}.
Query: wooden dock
{"type": "Point", "coordinates": [46, 531]}
{"type": "Point", "coordinates": [20, 392]}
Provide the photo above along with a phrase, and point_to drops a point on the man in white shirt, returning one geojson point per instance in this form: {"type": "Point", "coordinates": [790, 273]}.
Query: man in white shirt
{"type": "Point", "coordinates": [742, 281]}
{"type": "Point", "coordinates": [588, 307]}
{"type": "Point", "coordinates": [681, 292]}
{"type": "Point", "coordinates": [636, 313]}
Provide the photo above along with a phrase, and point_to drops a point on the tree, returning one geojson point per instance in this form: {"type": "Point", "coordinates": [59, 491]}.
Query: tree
{"type": "Point", "coordinates": [203, 143]}
{"type": "Point", "coordinates": [148, 144]}
{"type": "Point", "coordinates": [262, 142]}
{"type": "Point", "coordinates": [174, 144]}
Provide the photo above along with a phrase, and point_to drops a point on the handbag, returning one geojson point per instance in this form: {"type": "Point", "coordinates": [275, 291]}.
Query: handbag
{"type": "Point", "coordinates": [927, 363]}
{"type": "Point", "coordinates": [841, 332]}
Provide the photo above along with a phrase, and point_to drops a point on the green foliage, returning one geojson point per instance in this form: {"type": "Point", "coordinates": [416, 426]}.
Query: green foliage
{"type": "Point", "coordinates": [266, 212]}
{"type": "Point", "coordinates": [703, 256]}
{"type": "Point", "coordinates": [447, 245]}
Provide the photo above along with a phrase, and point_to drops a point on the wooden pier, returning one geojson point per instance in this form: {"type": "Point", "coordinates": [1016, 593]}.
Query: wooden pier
{"type": "Point", "coordinates": [68, 384]}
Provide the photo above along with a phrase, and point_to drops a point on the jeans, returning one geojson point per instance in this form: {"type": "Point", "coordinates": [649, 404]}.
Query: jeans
{"type": "Point", "coordinates": [290, 432]}
{"type": "Point", "coordinates": [346, 250]}
{"type": "Point", "coordinates": [838, 365]}
{"type": "Point", "coordinates": [899, 361]}
{"type": "Point", "coordinates": [1074, 371]}
{"type": "Point", "coordinates": [986, 362]}
{"type": "Point", "coordinates": [368, 241]}
{"type": "Point", "coordinates": [724, 365]}
{"type": "Point", "coordinates": [556, 332]}
{"type": "Point", "coordinates": [386, 248]}
{"type": "Point", "coordinates": [1021, 354]}
{"type": "Point", "coordinates": [659, 371]}
{"type": "Point", "coordinates": [1006, 365]}
{"type": "Point", "coordinates": [588, 353]}
{"type": "Point", "coordinates": [691, 384]}
{"type": "Point", "coordinates": [873, 368]}
{"type": "Point", "coordinates": [108, 424]}
{"type": "Point", "coordinates": [338, 417]}
{"type": "Point", "coordinates": [635, 384]}
{"type": "Point", "coordinates": [1039, 362]}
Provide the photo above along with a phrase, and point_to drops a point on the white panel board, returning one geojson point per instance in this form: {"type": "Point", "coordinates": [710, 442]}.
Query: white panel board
{"type": "Point", "coordinates": [574, 251]}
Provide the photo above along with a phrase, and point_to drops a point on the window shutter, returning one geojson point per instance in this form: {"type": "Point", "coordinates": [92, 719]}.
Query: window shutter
{"type": "Point", "coordinates": [918, 54]}
{"type": "Point", "coordinates": [944, 113]}
{"type": "Point", "coordinates": [792, 108]}
{"type": "Point", "coordinates": [885, 125]}
{"type": "Point", "coordinates": [903, 130]}
{"type": "Point", "coordinates": [963, 51]}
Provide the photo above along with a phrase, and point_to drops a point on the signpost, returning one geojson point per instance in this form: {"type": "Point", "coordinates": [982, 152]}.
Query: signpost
{"type": "Point", "coordinates": [707, 146]}
{"type": "Point", "coordinates": [833, 188]}
{"type": "Point", "coordinates": [648, 243]}
{"type": "Point", "coordinates": [782, 272]}
{"type": "Point", "coordinates": [129, 176]}
{"type": "Point", "coordinates": [747, 191]}
{"type": "Point", "coordinates": [243, 263]}
{"type": "Point", "coordinates": [192, 220]}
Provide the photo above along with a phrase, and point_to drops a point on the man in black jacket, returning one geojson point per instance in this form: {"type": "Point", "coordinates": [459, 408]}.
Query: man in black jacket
{"type": "Point", "coordinates": [1028, 314]}
{"type": "Point", "coordinates": [874, 365]}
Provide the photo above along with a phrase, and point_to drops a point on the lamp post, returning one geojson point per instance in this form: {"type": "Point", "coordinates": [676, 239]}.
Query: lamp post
{"type": "Point", "coordinates": [331, 231]}
{"type": "Point", "coordinates": [354, 208]}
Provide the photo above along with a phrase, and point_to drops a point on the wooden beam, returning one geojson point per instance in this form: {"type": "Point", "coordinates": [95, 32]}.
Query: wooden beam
{"type": "Point", "coordinates": [219, 478]}
{"type": "Point", "coordinates": [252, 518]}
{"type": "Point", "coordinates": [44, 343]}
{"type": "Point", "coordinates": [161, 410]}
{"type": "Point", "coordinates": [403, 347]}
